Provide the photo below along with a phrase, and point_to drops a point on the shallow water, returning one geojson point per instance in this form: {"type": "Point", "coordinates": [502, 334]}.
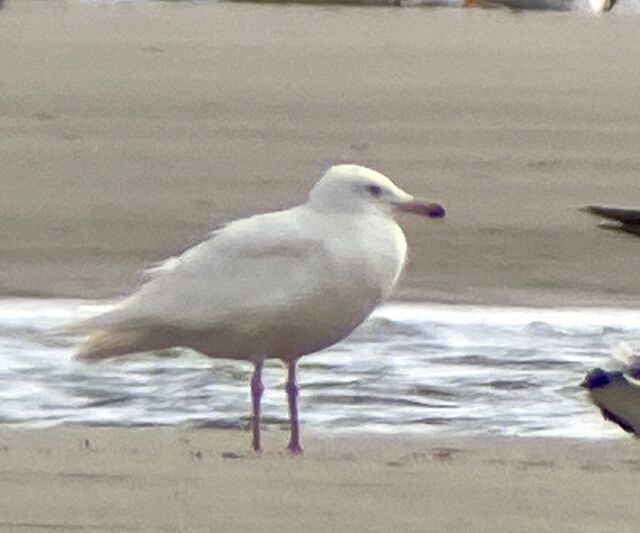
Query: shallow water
{"type": "Point", "coordinates": [410, 368]}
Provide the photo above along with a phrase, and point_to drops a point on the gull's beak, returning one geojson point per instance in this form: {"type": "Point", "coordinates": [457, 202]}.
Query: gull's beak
{"type": "Point", "coordinates": [417, 206]}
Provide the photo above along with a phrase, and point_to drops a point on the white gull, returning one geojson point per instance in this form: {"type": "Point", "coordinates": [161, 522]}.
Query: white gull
{"type": "Point", "coordinates": [276, 285]}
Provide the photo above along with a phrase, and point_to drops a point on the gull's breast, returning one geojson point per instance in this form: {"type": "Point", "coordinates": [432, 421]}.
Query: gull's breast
{"type": "Point", "coordinates": [381, 249]}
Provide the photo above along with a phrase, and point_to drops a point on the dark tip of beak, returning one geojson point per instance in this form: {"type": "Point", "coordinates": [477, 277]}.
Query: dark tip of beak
{"type": "Point", "coordinates": [435, 211]}
{"type": "Point", "coordinates": [419, 207]}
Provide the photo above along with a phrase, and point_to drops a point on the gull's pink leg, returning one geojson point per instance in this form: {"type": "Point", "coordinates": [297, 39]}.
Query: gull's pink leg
{"type": "Point", "coordinates": [257, 388]}
{"type": "Point", "coordinates": [292, 395]}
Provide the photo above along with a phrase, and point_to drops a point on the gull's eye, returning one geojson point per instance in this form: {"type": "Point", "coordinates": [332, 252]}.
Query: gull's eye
{"type": "Point", "coordinates": [374, 190]}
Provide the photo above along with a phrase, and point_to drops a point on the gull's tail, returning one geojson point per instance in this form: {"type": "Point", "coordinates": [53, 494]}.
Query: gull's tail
{"type": "Point", "coordinates": [115, 342]}
{"type": "Point", "coordinates": [110, 334]}
{"type": "Point", "coordinates": [107, 343]}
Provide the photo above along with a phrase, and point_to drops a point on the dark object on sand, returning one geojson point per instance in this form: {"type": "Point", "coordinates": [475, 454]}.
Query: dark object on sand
{"type": "Point", "coordinates": [626, 220]}
{"type": "Point", "coordinates": [617, 395]}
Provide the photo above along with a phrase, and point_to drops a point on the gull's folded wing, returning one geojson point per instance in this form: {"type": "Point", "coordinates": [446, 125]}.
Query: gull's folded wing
{"type": "Point", "coordinates": [250, 267]}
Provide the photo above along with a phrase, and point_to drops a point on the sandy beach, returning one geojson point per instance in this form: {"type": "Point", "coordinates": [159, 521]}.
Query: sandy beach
{"type": "Point", "coordinates": [131, 130]}
{"type": "Point", "coordinates": [165, 480]}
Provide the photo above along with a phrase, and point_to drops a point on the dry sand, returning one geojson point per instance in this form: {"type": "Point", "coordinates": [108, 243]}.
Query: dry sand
{"type": "Point", "coordinates": [128, 131]}
{"type": "Point", "coordinates": [179, 481]}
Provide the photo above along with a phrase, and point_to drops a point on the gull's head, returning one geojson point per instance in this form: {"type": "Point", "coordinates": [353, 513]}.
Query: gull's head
{"type": "Point", "coordinates": [353, 188]}
{"type": "Point", "coordinates": [598, 378]}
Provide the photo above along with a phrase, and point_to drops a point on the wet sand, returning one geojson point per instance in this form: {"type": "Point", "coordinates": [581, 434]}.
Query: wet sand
{"type": "Point", "coordinates": [128, 131]}
{"type": "Point", "coordinates": [168, 480]}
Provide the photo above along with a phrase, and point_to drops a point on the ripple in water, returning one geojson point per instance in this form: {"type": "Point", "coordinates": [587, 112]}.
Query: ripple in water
{"type": "Point", "coordinates": [410, 368]}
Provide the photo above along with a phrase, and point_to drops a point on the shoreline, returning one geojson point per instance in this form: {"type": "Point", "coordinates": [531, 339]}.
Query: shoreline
{"type": "Point", "coordinates": [538, 301]}
{"type": "Point", "coordinates": [402, 296]}
{"type": "Point", "coordinates": [240, 435]}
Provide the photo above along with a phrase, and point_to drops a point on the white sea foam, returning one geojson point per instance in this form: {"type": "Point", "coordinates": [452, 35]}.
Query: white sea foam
{"type": "Point", "coordinates": [410, 368]}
